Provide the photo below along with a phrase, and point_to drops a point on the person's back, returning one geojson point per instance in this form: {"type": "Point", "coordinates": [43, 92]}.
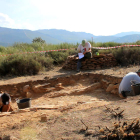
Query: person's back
{"type": "Point", "coordinates": [125, 84]}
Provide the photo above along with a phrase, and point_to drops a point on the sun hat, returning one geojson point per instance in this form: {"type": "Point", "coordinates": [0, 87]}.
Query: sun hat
{"type": "Point", "coordinates": [83, 42]}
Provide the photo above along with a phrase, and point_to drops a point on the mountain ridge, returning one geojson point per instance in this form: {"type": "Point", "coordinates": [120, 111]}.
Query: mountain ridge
{"type": "Point", "coordinates": [10, 36]}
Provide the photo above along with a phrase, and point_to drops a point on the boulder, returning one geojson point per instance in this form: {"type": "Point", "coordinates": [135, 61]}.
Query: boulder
{"type": "Point", "coordinates": [26, 88]}
{"type": "Point", "coordinates": [43, 118]}
{"type": "Point", "coordinates": [110, 88]}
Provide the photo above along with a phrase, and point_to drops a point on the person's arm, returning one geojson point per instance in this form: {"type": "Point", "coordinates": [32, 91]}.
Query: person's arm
{"type": "Point", "coordinates": [89, 47]}
{"type": "Point", "coordinates": [89, 50]}
{"type": "Point", "coordinates": [6, 108]}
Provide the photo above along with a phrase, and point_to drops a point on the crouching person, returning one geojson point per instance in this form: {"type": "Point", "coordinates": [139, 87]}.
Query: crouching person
{"type": "Point", "coordinates": [5, 102]}
{"type": "Point", "coordinates": [125, 85]}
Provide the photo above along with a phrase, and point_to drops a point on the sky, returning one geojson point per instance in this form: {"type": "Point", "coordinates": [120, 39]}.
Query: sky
{"type": "Point", "coordinates": [98, 17]}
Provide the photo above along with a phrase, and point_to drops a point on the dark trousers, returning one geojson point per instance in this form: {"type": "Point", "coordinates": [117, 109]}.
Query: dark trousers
{"type": "Point", "coordinates": [86, 56]}
{"type": "Point", "coordinates": [79, 63]}
{"type": "Point", "coordinates": [127, 93]}
{"type": "Point", "coordinates": [1, 108]}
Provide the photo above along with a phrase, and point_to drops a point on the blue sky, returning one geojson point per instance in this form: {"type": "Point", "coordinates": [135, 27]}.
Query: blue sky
{"type": "Point", "coordinates": [99, 17]}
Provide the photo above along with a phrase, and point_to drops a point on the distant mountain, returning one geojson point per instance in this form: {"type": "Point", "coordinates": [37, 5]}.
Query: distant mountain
{"type": "Point", "coordinates": [126, 33]}
{"type": "Point", "coordinates": [128, 38]}
{"type": "Point", "coordinates": [11, 36]}
{"type": "Point", "coordinates": [67, 36]}
{"type": "Point", "coordinates": [54, 36]}
{"type": "Point", "coordinates": [105, 39]}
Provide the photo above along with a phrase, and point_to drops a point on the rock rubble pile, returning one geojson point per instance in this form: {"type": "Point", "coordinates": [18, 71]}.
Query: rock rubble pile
{"type": "Point", "coordinates": [96, 62]}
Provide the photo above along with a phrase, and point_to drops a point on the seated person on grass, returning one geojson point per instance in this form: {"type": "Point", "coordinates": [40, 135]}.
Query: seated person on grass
{"type": "Point", "coordinates": [85, 49]}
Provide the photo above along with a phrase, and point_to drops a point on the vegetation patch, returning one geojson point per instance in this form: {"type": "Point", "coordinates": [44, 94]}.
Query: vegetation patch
{"type": "Point", "coordinates": [21, 62]}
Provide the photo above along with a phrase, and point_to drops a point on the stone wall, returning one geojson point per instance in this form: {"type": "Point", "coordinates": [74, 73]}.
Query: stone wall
{"type": "Point", "coordinates": [96, 62]}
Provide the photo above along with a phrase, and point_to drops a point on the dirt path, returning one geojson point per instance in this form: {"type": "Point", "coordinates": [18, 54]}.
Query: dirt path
{"type": "Point", "coordinates": [58, 71]}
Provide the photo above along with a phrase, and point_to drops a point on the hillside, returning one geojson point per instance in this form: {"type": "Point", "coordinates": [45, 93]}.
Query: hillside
{"type": "Point", "coordinates": [54, 36]}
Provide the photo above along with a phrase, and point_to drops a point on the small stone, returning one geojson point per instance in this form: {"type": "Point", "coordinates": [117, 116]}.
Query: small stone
{"type": "Point", "coordinates": [58, 85]}
{"type": "Point", "coordinates": [43, 118]}
{"type": "Point", "coordinates": [26, 88]}
{"type": "Point", "coordinates": [28, 94]}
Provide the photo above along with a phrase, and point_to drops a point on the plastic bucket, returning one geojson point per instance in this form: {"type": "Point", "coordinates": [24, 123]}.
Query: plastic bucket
{"type": "Point", "coordinates": [136, 89]}
{"type": "Point", "coordinates": [24, 103]}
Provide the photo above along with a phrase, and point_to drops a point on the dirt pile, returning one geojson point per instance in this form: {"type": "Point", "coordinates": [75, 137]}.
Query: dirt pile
{"type": "Point", "coordinates": [96, 62]}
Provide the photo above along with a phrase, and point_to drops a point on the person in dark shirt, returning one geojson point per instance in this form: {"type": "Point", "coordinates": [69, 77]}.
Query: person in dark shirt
{"type": "Point", "coordinates": [5, 102]}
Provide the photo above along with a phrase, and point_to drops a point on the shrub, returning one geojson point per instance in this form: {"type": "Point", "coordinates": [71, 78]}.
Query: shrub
{"type": "Point", "coordinates": [19, 65]}
{"type": "Point", "coordinates": [127, 56]}
{"type": "Point", "coordinates": [30, 64]}
{"type": "Point", "coordinates": [58, 57]}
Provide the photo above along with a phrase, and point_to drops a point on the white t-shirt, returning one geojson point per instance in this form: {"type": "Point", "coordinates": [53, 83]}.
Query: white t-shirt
{"type": "Point", "coordinates": [125, 84]}
{"type": "Point", "coordinates": [85, 48]}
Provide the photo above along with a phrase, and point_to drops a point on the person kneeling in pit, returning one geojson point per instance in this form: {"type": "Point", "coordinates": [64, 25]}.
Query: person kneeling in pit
{"type": "Point", "coordinates": [5, 102]}
{"type": "Point", "coordinates": [125, 85]}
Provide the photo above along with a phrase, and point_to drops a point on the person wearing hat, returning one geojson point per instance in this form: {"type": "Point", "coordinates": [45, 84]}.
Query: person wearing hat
{"type": "Point", "coordinates": [84, 49]}
{"type": "Point", "coordinates": [125, 85]}
{"type": "Point", "coordinates": [5, 101]}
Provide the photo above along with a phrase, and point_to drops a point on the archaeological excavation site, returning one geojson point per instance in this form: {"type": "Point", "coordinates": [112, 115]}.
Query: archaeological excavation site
{"type": "Point", "coordinates": [72, 106]}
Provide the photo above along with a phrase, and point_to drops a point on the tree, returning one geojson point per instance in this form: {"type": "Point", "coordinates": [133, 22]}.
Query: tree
{"type": "Point", "coordinates": [38, 39]}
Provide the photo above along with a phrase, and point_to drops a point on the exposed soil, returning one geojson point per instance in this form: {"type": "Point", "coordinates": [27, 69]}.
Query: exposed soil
{"type": "Point", "coordinates": [65, 116]}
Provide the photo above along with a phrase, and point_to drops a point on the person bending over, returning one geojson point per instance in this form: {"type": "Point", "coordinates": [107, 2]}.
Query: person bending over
{"type": "Point", "coordinates": [125, 85]}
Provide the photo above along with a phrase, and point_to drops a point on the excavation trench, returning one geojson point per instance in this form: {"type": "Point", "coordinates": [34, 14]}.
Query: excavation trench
{"type": "Point", "coordinates": [67, 92]}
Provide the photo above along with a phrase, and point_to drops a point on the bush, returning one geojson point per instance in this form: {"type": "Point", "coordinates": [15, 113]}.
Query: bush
{"type": "Point", "coordinates": [127, 56]}
{"type": "Point", "coordinates": [58, 57]}
{"type": "Point", "coordinates": [38, 39]}
{"type": "Point", "coordinates": [19, 65]}
{"type": "Point", "coordinates": [31, 64]}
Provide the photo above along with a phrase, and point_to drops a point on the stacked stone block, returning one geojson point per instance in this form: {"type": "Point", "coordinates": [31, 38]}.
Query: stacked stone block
{"type": "Point", "coordinates": [96, 62]}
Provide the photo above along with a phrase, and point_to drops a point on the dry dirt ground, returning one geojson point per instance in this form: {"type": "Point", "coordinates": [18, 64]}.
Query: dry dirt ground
{"type": "Point", "coordinates": [67, 115]}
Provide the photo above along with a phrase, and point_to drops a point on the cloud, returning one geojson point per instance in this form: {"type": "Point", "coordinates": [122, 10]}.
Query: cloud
{"type": "Point", "coordinates": [5, 20]}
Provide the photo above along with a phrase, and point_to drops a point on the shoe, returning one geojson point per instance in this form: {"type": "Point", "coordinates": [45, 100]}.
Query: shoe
{"type": "Point", "coordinates": [124, 94]}
{"type": "Point", "coordinates": [78, 70]}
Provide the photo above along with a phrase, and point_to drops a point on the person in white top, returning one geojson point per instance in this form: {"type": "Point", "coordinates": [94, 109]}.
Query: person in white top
{"type": "Point", "coordinates": [85, 49]}
{"type": "Point", "coordinates": [5, 101]}
{"type": "Point", "coordinates": [125, 88]}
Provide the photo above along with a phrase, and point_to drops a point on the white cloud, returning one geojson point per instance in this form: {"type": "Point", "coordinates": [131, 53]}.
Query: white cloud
{"type": "Point", "coordinates": [5, 20]}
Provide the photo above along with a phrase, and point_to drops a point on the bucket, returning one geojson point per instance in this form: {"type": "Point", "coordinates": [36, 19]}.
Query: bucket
{"type": "Point", "coordinates": [136, 89]}
{"type": "Point", "coordinates": [23, 103]}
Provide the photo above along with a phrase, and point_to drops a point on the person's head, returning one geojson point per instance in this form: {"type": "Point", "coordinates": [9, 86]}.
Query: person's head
{"type": "Point", "coordinates": [5, 98]}
{"type": "Point", "coordinates": [83, 42]}
{"type": "Point", "coordinates": [138, 72]}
